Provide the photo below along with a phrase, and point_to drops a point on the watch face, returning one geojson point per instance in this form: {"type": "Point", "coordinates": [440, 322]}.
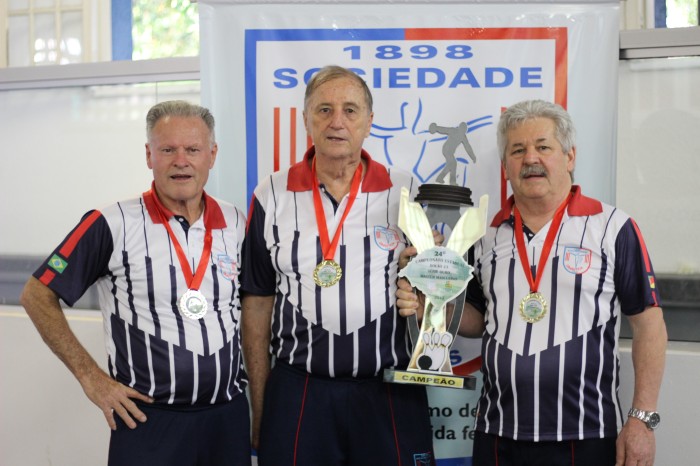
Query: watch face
{"type": "Point", "coordinates": [654, 420]}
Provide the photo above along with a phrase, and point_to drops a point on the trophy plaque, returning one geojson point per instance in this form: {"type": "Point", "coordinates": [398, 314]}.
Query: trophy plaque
{"type": "Point", "coordinates": [441, 274]}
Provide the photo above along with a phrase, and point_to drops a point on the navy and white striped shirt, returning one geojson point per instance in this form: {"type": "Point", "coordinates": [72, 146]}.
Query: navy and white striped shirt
{"type": "Point", "coordinates": [350, 329]}
{"type": "Point", "coordinates": [126, 251]}
{"type": "Point", "coordinates": [557, 379]}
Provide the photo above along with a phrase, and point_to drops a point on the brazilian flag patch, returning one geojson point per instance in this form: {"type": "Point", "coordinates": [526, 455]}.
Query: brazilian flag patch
{"type": "Point", "coordinates": [58, 264]}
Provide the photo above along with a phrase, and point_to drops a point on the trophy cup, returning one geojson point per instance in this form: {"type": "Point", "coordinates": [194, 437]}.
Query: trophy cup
{"type": "Point", "coordinates": [441, 274]}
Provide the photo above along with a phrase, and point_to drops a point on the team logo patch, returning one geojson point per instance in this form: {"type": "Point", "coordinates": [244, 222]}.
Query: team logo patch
{"type": "Point", "coordinates": [58, 264]}
{"type": "Point", "coordinates": [386, 238]}
{"type": "Point", "coordinates": [652, 282]}
{"type": "Point", "coordinates": [577, 260]}
{"type": "Point", "coordinates": [423, 459]}
{"type": "Point", "coordinates": [228, 267]}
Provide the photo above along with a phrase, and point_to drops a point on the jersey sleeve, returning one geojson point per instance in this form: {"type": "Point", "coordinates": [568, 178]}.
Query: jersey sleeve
{"type": "Point", "coordinates": [635, 282]}
{"type": "Point", "coordinates": [79, 260]}
{"type": "Point", "coordinates": [258, 276]}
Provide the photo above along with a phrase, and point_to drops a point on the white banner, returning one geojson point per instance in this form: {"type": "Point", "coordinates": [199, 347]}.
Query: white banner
{"type": "Point", "coordinates": [432, 68]}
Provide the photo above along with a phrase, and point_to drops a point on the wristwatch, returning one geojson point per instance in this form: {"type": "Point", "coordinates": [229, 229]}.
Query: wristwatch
{"type": "Point", "coordinates": [650, 418]}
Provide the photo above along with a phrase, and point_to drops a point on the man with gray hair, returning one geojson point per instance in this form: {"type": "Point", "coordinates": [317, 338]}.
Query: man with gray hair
{"type": "Point", "coordinates": [318, 282]}
{"type": "Point", "coordinates": [554, 273]}
{"type": "Point", "coordinates": [166, 268]}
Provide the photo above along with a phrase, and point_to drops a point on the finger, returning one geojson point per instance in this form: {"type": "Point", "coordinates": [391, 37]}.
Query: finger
{"type": "Point", "coordinates": [134, 411]}
{"type": "Point", "coordinates": [406, 298]}
{"type": "Point", "coordinates": [405, 285]}
{"type": "Point", "coordinates": [124, 414]}
{"type": "Point", "coordinates": [109, 416]}
{"type": "Point", "coordinates": [406, 255]}
{"type": "Point", "coordinates": [131, 393]}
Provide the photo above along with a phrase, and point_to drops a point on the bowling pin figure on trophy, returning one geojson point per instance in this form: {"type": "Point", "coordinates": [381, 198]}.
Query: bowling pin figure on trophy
{"type": "Point", "coordinates": [441, 274]}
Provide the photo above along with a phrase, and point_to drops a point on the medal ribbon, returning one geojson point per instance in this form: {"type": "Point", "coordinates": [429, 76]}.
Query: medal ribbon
{"type": "Point", "coordinates": [193, 282]}
{"type": "Point", "coordinates": [327, 246]}
{"type": "Point", "coordinates": [548, 242]}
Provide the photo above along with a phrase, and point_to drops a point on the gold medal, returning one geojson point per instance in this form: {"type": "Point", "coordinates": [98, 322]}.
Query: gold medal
{"type": "Point", "coordinates": [327, 273]}
{"type": "Point", "coordinates": [533, 307]}
{"type": "Point", "coordinates": [193, 304]}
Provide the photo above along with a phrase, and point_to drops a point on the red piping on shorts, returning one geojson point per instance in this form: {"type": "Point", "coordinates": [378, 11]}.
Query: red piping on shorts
{"type": "Point", "coordinates": [495, 449]}
{"type": "Point", "coordinates": [393, 425]}
{"type": "Point", "coordinates": [301, 414]}
{"type": "Point", "coordinates": [573, 456]}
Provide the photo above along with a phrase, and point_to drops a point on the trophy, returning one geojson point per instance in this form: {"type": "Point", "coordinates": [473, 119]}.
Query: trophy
{"type": "Point", "coordinates": [441, 274]}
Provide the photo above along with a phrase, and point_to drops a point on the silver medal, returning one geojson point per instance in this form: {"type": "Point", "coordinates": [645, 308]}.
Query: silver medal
{"type": "Point", "coordinates": [193, 304]}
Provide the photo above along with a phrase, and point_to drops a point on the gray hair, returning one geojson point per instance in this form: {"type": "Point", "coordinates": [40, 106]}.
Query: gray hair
{"type": "Point", "coordinates": [179, 108]}
{"type": "Point", "coordinates": [517, 114]}
{"type": "Point", "coordinates": [331, 72]}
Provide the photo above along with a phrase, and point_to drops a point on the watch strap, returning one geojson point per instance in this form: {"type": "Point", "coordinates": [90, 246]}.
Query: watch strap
{"type": "Point", "coordinates": [650, 418]}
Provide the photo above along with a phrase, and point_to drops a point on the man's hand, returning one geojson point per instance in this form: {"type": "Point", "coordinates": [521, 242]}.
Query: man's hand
{"type": "Point", "coordinates": [113, 397]}
{"type": "Point", "coordinates": [408, 302]}
{"type": "Point", "coordinates": [636, 445]}
{"type": "Point", "coordinates": [410, 251]}
{"type": "Point", "coordinates": [44, 310]}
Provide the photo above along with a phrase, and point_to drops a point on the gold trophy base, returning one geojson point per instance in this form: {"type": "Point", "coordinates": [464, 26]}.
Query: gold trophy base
{"type": "Point", "coordinates": [432, 379]}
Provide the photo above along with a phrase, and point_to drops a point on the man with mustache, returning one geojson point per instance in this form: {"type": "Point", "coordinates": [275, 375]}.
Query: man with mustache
{"type": "Point", "coordinates": [554, 274]}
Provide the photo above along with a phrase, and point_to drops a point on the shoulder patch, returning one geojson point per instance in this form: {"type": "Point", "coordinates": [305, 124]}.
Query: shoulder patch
{"type": "Point", "coordinates": [57, 263]}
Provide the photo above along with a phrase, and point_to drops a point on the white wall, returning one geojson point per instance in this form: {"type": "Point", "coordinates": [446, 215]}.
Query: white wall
{"type": "Point", "coordinates": [658, 160]}
{"type": "Point", "coordinates": [45, 418]}
{"type": "Point", "coordinates": [69, 150]}
{"type": "Point", "coordinates": [676, 443]}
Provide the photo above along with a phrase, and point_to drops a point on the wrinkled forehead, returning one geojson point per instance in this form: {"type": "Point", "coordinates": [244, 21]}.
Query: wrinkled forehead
{"type": "Point", "coordinates": [530, 131]}
{"type": "Point", "coordinates": [342, 89]}
{"type": "Point", "coordinates": [181, 129]}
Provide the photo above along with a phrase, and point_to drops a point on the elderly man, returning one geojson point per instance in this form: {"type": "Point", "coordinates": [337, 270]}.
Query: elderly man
{"type": "Point", "coordinates": [166, 268]}
{"type": "Point", "coordinates": [554, 274]}
{"type": "Point", "coordinates": [319, 279]}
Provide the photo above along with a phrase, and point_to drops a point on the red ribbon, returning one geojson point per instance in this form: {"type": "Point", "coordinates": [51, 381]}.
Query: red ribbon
{"type": "Point", "coordinates": [548, 242]}
{"type": "Point", "coordinates": [193, 282]}
{"type": "Point", "coordinates": [327, 246]}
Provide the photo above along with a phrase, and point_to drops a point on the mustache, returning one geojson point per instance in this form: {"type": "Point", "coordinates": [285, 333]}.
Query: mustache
{"type": "Point", "coordinates": [531, 170]}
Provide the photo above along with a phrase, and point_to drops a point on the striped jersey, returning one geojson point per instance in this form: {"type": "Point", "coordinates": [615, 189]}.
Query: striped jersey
{"type": "Point", "coordinates": [126, 251]}
{"type": "Point", "coordinates": [350, 329]}
{"type": "Point", "coordinates": [557, 379]}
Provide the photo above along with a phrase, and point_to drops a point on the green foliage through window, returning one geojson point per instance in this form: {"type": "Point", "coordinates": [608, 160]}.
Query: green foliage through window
{"type": "Point", "coordinates": [165, 28]}
{"type": "Point", "coordinates": [681, 13]}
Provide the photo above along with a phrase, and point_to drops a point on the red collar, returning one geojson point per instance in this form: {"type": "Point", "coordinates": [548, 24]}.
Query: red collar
{"type": "Point", "coordinates": [579, 205]}
{"type": "Point", "coordinates": [376, 177]}
{"type": "Point", "coordinates": [213, 216]}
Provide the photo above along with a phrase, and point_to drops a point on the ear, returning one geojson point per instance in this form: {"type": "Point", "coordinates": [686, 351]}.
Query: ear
{"type": "Point", "coordinates": [214, 151]}
{"type": "Point", "coordinates": [369, 124]}
{"type": "Point", "coordinates": [148, 157]}
{"type": "Point", "coordinates": [571, 160]}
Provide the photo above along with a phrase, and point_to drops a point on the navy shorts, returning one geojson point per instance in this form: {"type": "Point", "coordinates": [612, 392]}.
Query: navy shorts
{"type": "Point", "coordinates": [309, 421]}
{"type": "Point", "coordinates": [185, 436]}
{"type": "Point", "coordinates": [491, 450]}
